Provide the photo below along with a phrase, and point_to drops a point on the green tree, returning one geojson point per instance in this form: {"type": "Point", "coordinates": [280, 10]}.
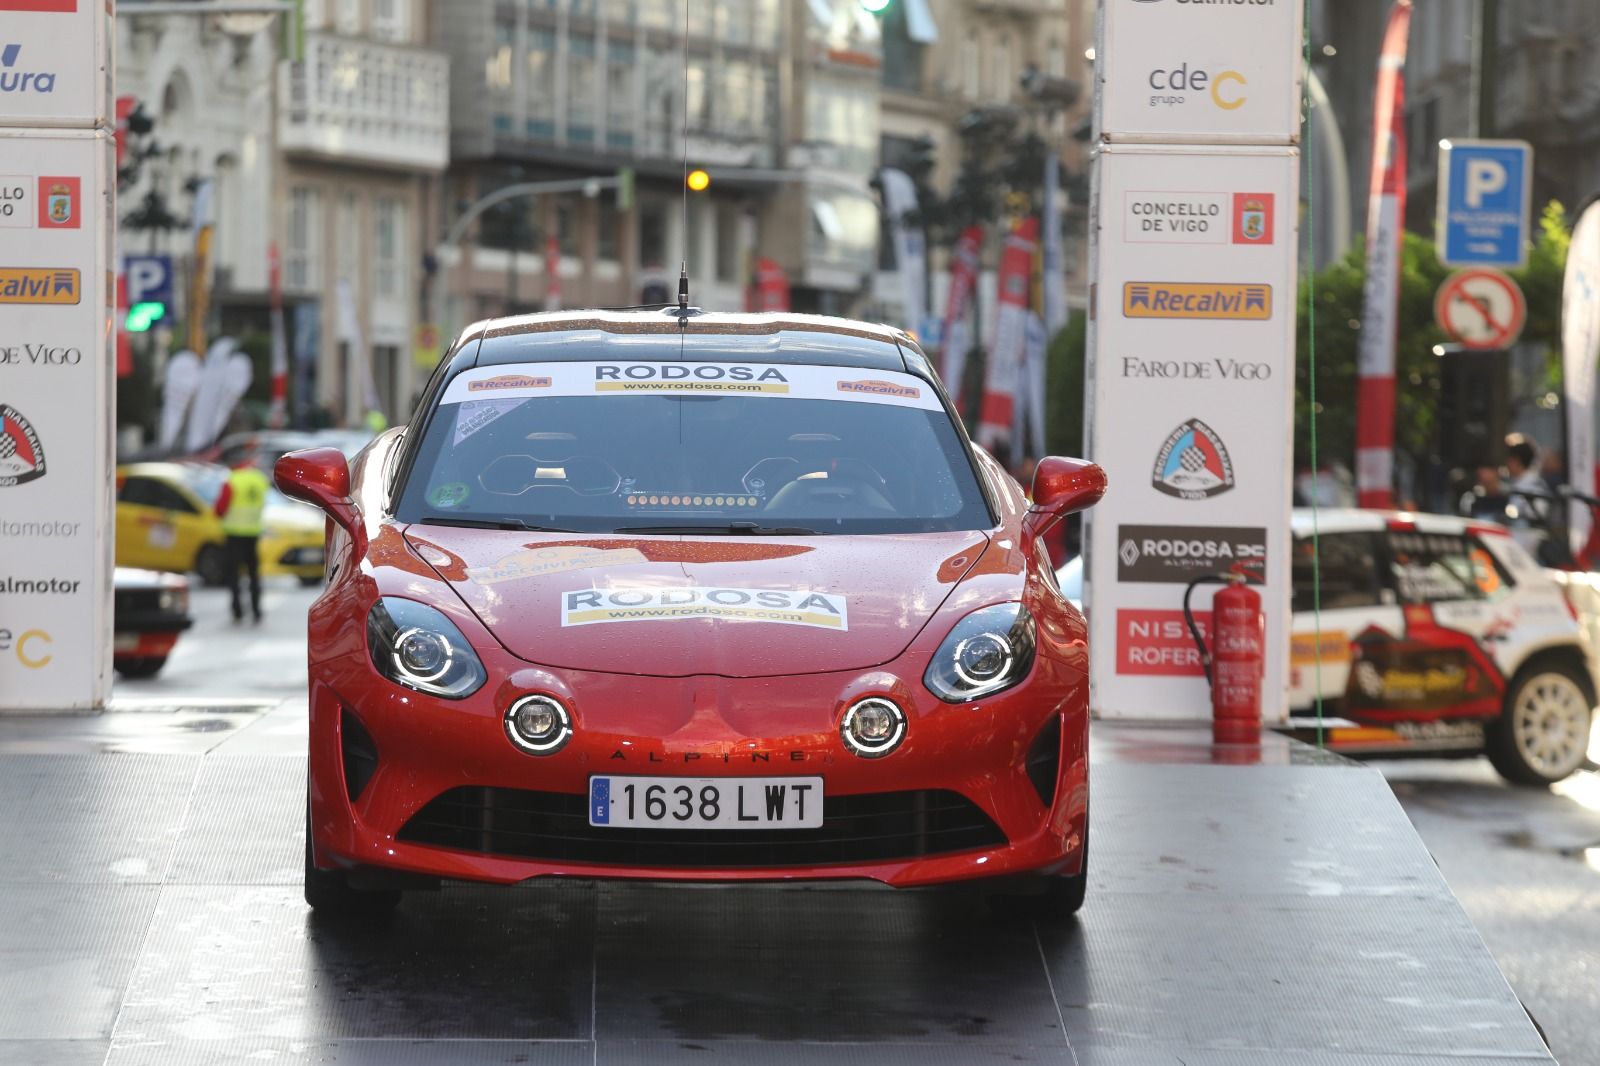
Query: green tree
{"type": "Point", "coordinates": [1338, 301]}
{"type": "Point", "coordinates": [1064, 383]}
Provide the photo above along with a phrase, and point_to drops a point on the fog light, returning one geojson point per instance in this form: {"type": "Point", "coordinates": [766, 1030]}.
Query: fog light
{"type": "Point", "coordinates": [424, 655]}
{"type": "Point", "coordinates": [538, 724]}
{"type": "Point", "coordinates": [873, 727]}
{"type": "Point", "coordinates": [981, 659]}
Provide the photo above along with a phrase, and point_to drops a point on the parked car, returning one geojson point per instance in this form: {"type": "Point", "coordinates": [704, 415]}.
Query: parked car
{"type": "Point", "coordinates": [149, 609]}
{"type": "Point", "coordinates": [725, 598]}
{"type": "Point", "coordinates": [1439, 636]}
{"type": "Point", "coordinates": [165, 521]}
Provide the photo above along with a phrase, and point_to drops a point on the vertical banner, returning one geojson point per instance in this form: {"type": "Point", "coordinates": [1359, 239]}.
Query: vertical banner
{"type": "Point", "coordinates": [954, 336]}
{"type": "Point", "coordinates": [996, 414]}
{"type": "Point", "coordinates": [552, 273]}
{"type": "Point", "coordinates": [1580, 349]}
{"type": "Point", "coordinates": [57, 409]}
{"type": "Point", "coordinates": [910, 256]}
{"type": "Point", "coordinates": [770, 292]}
{"type": "Point", "coordinates": [280, 339]}
{"type": "Point", "coordinates": [1386, 213]}
{"type": "Point", "coordinates": [1192, 412]}
{"type": "Point", "coordinates": [1027, 433]}
{"type": "Point", "coordinates": [1054, 296]}
{"type": "Point", "coordinates": [200, 277]}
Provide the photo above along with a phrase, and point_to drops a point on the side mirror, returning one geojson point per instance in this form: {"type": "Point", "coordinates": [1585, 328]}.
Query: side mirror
{"type": "Point", "coordinates": [1061, 487]}
{"type": "Point", "coordinates": [321, 477]}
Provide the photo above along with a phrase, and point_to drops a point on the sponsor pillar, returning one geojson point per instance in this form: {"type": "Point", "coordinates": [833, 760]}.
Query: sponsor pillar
{"type": "Point", "coordinates": [1191, 335]}
{"type": "Point", "coordinates": [57, 355]}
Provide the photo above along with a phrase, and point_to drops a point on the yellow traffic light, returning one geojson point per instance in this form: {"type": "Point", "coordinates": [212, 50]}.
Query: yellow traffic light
{"type": "Point", "coordinates": [699, 180]}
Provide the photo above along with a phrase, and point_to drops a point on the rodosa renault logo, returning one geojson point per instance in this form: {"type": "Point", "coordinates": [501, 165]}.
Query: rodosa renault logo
{"type": "Point", "coordinates": [1193, 299]}
{"type": "Point", "coordinates": [1179, 554]}
{"type": "Point", "coordinates": [819, 610]}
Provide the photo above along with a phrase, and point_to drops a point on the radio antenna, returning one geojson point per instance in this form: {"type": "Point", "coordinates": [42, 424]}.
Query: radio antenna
{"type": "Point", "coordinates": [683, 269]}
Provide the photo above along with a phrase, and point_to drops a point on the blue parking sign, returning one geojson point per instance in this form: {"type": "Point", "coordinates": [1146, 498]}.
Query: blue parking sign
{"type": "Point", "coordinates": [1484, 187]}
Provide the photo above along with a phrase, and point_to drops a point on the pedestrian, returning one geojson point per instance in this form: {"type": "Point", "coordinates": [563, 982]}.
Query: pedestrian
{"type": "Point", "coordinates": [240, 506]}
{"type": "Point", "coordinates": [1527, 489]}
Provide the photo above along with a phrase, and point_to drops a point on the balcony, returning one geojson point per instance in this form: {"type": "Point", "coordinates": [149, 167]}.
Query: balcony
{"type": "Point", "coordinates": [354, 101]}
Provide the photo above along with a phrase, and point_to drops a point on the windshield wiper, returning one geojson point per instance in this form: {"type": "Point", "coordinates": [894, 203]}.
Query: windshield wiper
{"type": "Point", "coordinates": [496, 523]}
{"type": "Point", "coordinates": [731, 529]}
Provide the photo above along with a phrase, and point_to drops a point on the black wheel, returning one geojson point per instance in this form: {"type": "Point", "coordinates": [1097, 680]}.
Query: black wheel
{"type": "Point", "coordinates": [329, 892]}
{"type": "Point", "coordinates": [1542, 735]}
{"type": "Point", "coordinates": [310, 581]}
{"type": "Point", "coordinates": [212, 566]}
{"type": "Point", "coordinates": [142, 666]}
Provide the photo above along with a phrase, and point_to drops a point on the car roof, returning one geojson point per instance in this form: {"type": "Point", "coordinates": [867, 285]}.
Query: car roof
{"type": "Point", "coordinates": [1356, 520]}
{"type": "Point", "coordinates": [655, 334]}
{"type": "Point", "coordinates": [184, 472]}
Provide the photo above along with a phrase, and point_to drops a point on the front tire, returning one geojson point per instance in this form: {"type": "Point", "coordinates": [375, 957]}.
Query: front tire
{"type": "Point", "coordinates": [328, 891]}
{"type": "Point", "coordinates": [140, 666]}
{"type": "Point", "coordinates": [1058, 898]}
{"type": "Point", "coordinates": [1542, 735]}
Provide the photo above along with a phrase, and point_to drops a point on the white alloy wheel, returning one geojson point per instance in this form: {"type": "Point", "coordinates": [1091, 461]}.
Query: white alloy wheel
{"type": "Point", "coordinates": [1549, 719]}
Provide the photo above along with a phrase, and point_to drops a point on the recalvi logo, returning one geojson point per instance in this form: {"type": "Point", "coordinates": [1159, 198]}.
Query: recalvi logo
{"type": "Point", "coordinates": [39, 285]}
{"type": "Point", "coordinates": [1196, 299]}
{"type": "Point", "coordinates": [819, 610]}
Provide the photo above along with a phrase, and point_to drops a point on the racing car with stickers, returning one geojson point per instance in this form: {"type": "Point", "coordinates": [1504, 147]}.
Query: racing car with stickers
{"type": "Point", "coordinates": [699, 597]}
{"type": "Point", "coordinates": [1436, 636]}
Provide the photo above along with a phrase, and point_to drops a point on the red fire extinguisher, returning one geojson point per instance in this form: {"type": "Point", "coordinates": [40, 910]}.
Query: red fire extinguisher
{"type": "Point", "coordinates": [1236, 660]}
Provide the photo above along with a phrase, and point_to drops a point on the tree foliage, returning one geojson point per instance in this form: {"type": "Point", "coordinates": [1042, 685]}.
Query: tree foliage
{"type": "Point", "coordinates": [1337, 335]}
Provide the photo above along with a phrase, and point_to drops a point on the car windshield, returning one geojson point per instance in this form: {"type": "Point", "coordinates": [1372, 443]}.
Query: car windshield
{"type": "Point", "coordinates": [693, 447]}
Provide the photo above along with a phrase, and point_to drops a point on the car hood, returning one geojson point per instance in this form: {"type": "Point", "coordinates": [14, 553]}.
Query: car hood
{"type": "Point", "coordinates": [680, 606]}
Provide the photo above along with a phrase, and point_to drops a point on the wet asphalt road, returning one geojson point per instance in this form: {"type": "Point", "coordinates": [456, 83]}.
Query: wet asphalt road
{"type": "Point", "coordinates": [1525, 863]}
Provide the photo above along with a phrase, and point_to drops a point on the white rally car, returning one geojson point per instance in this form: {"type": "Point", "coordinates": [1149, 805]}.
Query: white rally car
{"type": "Point", "coordinates": [1439, 636]}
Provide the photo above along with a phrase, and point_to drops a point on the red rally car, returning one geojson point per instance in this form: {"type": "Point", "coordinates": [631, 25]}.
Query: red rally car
{"type": "Point", "coordinates": [685, 596]}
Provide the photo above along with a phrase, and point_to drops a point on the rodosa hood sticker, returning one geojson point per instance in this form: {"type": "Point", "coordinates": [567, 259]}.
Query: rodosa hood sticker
{"type": "Point", "coordinates": [800, 607]}
{"type": "Point", "coordinates": [527, 380]}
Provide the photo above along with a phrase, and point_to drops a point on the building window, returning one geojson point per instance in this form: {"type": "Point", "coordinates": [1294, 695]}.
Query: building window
{"type": "Point", "coordinates": [621, 109]}
{"type": "Point", "coordinates": [497, 70]}
{"type": "Point", "coordinates": [301, 262]}
{"type": "Point", "coordinates": [1000, 69]}
{"type": "Point", "coordinates": [347, 16]}
{"type": "Point", "coordinates": [347, 222]}
{"type": "Point", "coordinates": [841, 115]}
{"type": "Point", "coordinates": [540, 96]}
{"type": "Point", "coordinates": [902, 57]}
{"type": "Point", "coordinates": [727, 222]}
{"type": "Point", "coordinates": [652, 235]}
{"type": "Point", "coordinates": [608, 230]}
{"type": "Point", "coordinates": [314, 14]}
{"type": "Point", "coordinates": [389, 247]}
{"type": "Point", "coordinates": [969, 69]}
{"type": "Point", "coordinates": [581, 90]}
{"type": "Point", "coordinates": [391, 20]}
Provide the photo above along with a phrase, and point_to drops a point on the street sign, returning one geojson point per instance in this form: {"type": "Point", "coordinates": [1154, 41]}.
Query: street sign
{"type": "Point", "coordinates": [1481, 309]}
{"type": "Point", "coordinates": [149, 278]}
{"type": "Point", "coordinates": [1484, 188]}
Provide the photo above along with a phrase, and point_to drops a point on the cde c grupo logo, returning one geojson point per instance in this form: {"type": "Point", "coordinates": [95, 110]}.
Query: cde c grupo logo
{"type": "Point", "coordinates": [1175, 86]}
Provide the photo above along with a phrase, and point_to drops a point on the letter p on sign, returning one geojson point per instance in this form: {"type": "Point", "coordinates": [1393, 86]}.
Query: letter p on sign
{"type": "Point", "coordinates": [1485, 177]}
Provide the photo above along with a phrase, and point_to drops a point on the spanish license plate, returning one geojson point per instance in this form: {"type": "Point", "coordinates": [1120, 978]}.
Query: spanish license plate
{"type": "Point", "coordinates": [706, 802]}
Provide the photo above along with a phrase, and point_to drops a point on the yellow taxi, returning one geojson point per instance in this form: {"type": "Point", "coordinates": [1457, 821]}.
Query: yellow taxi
{"type": "Point", "coordinates": [165, 521]}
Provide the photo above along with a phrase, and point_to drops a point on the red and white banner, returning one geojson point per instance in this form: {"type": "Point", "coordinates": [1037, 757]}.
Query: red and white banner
{"type": "Point", "coordinates": [954, 336]}
{"type": "Point", "coordinates": [1386, 212]}
{"type": "Point", "coordinates": [996, 416]}
{"type": "Point", "coordinates": [770, 291]}
{"type": "Point", "coordinates": [552, 273]}
{"type": "Point", "coordinates": [1580, 350]}
{"type": "Point", "coordinates": [280, 339]}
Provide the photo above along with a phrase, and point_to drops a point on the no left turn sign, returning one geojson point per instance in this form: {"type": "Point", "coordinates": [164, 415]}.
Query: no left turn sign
{"type": "Point", "coordinates": [1481, 308]}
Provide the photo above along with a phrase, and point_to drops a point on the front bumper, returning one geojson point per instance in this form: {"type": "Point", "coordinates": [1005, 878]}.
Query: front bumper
{"type": "Point", "coordinates": [370, 781]}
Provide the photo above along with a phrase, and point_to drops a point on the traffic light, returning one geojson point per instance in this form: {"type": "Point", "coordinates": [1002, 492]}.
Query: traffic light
{"type": "Point", "coordinates": [875, 7]}
{"type": "Point", "coordinates": [142, 316]}
{"type": "Point", "coordinates": [698, 180]}
{"type": "Point", "coordinates": [625, 184]}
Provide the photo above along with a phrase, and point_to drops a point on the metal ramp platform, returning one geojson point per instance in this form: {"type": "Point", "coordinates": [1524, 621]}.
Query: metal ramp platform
{"type": "Point", "coordinates": [1278, 913]}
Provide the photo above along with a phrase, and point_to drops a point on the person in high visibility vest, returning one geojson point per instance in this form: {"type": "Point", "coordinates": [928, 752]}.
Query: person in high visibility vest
{"type": "Point", "coordinates": [240, 506]}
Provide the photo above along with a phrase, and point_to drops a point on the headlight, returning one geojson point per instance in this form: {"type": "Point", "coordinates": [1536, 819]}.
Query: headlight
{"type": "Point", "coordinates": [416, 646]}
{"type": "Point", "coordinates": [988, 651]}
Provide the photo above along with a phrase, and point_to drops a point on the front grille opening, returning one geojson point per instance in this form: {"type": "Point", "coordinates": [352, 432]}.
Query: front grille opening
{"type": "Point", "coordinates": [554, 827]}
{"type": "Point", "coordinates": [360, 754]}
{"type": "Point", "coordinates": [1044, 761]}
